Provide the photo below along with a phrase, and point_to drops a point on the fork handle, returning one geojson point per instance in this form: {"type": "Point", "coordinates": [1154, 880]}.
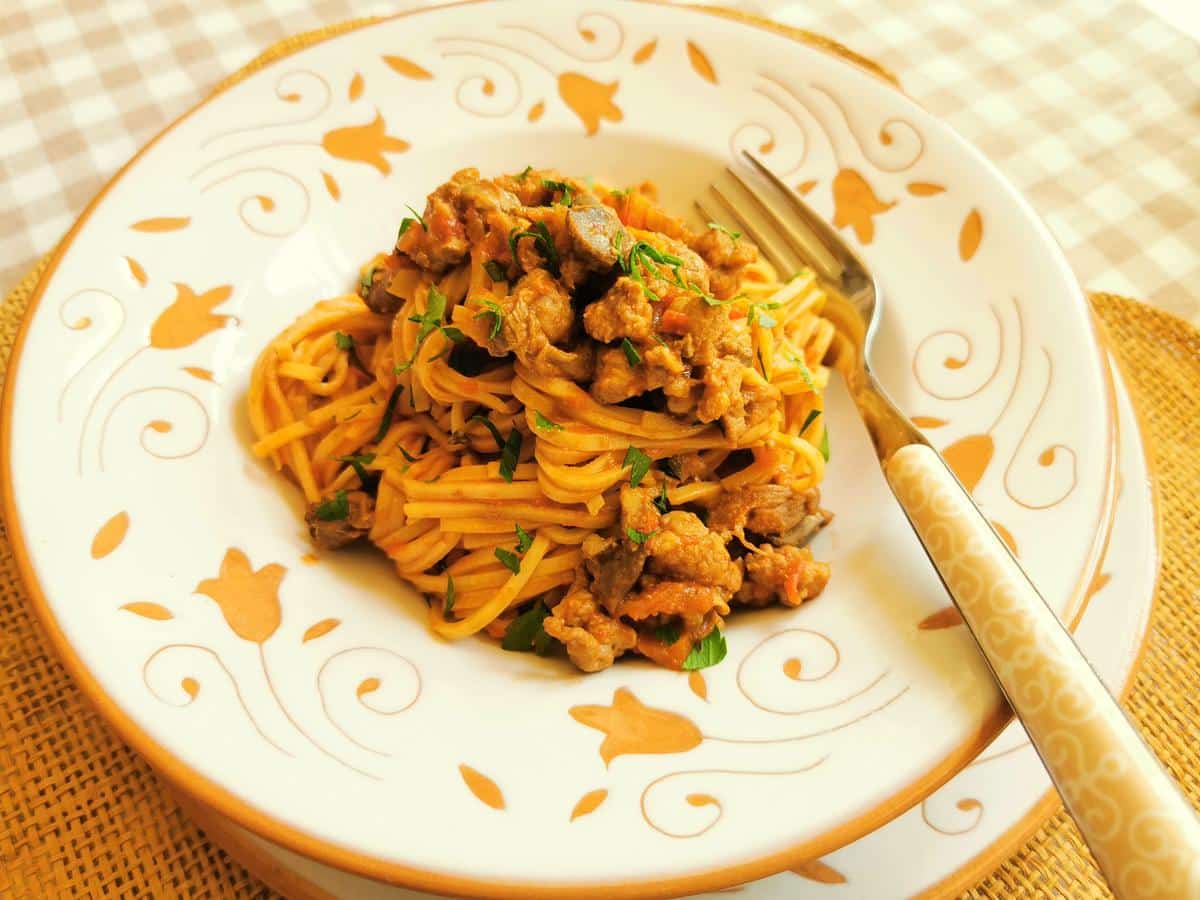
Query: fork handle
{"type": "Point", "coordinates": [1141, 829]}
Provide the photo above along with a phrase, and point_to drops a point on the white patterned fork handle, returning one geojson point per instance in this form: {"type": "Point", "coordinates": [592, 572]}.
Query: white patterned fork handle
{"type": "Point", "coordinates": [1141, 829]}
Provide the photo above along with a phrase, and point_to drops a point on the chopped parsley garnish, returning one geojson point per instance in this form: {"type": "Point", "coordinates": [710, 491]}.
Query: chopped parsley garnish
{"type": "Point", "coordinates": [334, 509]}
{"type": "Point", "coordinates": [365, 281]}
{"type": "Point", "coordinates": [646, 256]}
{"type": "Point", "coordinates": [389, 411]}
{"type": "Point", "coordinates": [670, 465]}
{"type": "Point", "coordinates": [668, 634]}
{"type": "Point", "coordinates": [621, 192]}
{"type": "Point", "coordinates": [408, 222]}
{"type": "Point", "coordinates": [509, 455]}
{"type": "Point", "coordinates": [491, 426]}
{"type": "Point", "coordinates": [526, 633]}
{"type": "Point", "coordinates": [510, 560]}
{"type": "Point", "coordinates": [431, 321]}
{"type": "Point", "coordinates": [639, 465]}
{"type": "Point", "coordinates": [495, 271]}
{"type": "Point", "coordinates": [631, 353]}
{"type": "Point", "coordinates": [524, 539]}
{"type": "Point", "coordinates": [358, 463]}
{"type": "Point", "coordinates": [521, 176]}
{"type": "Point", "coordinates": [567, 194]}
{"type": "Point", "coordinates": [805, 373]}
{"type": "Point", "coordinates": [542, 238]}
{"type": "Point", "coordinates": [638, 537]}
{"type": "Point", "coordinates": [809, 419]}
{"type": "Point", "coordinates": [545, 424]}
{"type": "Point", "coordinates": [716, 226]}
{"type": "Point", "coordinates": [756, 315]}
{"type": "Point", "coordinates": [451, 595]}
{"type": "Point", "coordinates": [710, 651]}
{"type": "Point", "coordinates": [661, 503]}
{"type": "Point", "coordinates": [346, 342]}
{"type": "Point", "coordinates": [762, 365]}
{"type": "Point", "coordinates": [407, 456]}
{"type": "Point", "coordinates": [494, 310]}
{"type": "Point", "coordinates": [825, 444]}
{"type": "Point", "coordinates": [510, 447]}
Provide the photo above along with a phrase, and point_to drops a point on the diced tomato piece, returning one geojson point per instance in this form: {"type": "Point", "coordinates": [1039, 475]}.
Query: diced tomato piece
{"type": "Point", "coordinates": [674, 322]}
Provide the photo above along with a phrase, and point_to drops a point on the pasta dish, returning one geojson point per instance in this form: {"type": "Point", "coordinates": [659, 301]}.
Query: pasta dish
{"type": "Point", "coordinates": [567, 417]}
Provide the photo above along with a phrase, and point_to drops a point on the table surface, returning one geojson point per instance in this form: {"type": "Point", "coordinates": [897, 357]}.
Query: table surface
{"type": "Point", "coordinates": [1090, 107]}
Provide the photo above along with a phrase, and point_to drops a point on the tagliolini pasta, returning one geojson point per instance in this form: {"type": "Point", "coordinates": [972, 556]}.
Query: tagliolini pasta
{"type": "Point", "coordinates": [566, 417]}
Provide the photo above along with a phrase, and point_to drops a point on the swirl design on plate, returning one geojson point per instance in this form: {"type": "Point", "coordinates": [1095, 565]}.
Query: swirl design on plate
{"type": "Point", "coordinates": [600, 32]}
{"type": "Point", "coordinates": [161, 426]}
{"type": "Point", "coordinates": [661, 821]}
{"type": "Point", "coordinates": [299, 87]}
{"type": "Point", "coordinates": [477, 94]}
{"type": "Point", "coordinates": [76, 314]}
{"type": "Point", "coordinates": [184, 690]}
{"type": "Point", "coordinates": [378, 692]}
{"type": "Point", "coordinates": [265, 209]}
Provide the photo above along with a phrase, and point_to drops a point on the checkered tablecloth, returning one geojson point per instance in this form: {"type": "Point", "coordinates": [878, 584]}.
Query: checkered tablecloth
{"type": "Point", "coordinates": [1092, 108]}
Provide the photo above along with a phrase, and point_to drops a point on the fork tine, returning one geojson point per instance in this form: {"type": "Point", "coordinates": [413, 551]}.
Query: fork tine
{"type": "Point", "coordinates": [830, 248]}
{"type": "Point", "coordinates": [809, 244]}
{"type": "Point", "coordinates": [766, 245]}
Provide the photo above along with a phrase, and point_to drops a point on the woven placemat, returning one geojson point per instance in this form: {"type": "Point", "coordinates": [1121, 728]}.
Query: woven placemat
{"type": "Point", "coordinates": [82, 815]}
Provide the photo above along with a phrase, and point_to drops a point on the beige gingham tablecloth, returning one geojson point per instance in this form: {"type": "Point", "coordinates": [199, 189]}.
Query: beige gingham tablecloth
{"type": "Point", "coordinates": [1091, 107]}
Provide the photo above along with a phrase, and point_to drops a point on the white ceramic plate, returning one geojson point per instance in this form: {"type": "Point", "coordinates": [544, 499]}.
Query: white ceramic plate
{"type": "Point", "coordinates": [950, 840]}
{"type": "Point", "coordinates": [308, 702]}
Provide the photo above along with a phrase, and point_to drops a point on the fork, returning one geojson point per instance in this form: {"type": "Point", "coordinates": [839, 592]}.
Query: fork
{"type": "Point", "coordinates": [1142, 831]}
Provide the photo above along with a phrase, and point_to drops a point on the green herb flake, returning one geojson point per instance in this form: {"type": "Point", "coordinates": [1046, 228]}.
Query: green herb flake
{"type": "Point", "coordinates": [407, 456]}
{"type": "Point", "coordinates": [526, 633]}
{"type": "Point", "coordinates": [495, 271]}
{"type": "Point", "coordinates": [825, 444]}
{"type": "Point", "coordinates": [365, 280]}
{"type": "Point", "coordinates": [343, 341]}
{"type": "Point", "coordinates": [805, 373]}
{"type": "Point", "coordinates": [509, 559]}
{"type": "Point", "coordinates": [809, 419]}
{"type": "Point", "coordinates": [491, 426]}
{"type": "Point", "coordinates": [494, 310]}
{"type": "Point", "coordinates": [335, 509]}
{"type": "Point", "coordinates": [524, 173]}
{"type": "Point", "coordinates": [716, 226]}
{"type": "Point", "coordinates": [710, 651]}
{"type": "Point", "coordinates": [524, 539]}
{"type": "Point", "coordinates": [639, 465]}
{"type": "Point", "coordinates": [509, 455]}
{"type": "Point", "coordinates": [631, 352]}
{"type": "Point", "coordinates": [667, 634]}
{"type": "Point", "coordinates": [453, 335]}
{"type": "Point", "coordinates": [358, 462]}
{"type": "Point", "coordinates": [451, 595]}
{"type": "Point", "coordinates": [543, 240]}
{"type": "Point", "coordinates": [430, 321]}
{"type": "Point", "coordinates": [545, 424]}
{"type": "Point", "coordinates": [661, 503]}
{"type": "Point", "coordinates": [389, 411]}
{"type": "Point", "coordinates": [418, 218]}
{"type": "Point", "coordinates": [562, 186]}
{"type": "Point", "coordinates": [638, 537]}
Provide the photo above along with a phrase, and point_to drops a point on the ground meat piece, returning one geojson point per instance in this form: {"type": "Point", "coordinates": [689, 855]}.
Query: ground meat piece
{"type": "Point", "coordinates": [623, 312]}
{"type": "Point", "coordinates": [709, 333]}
{"type": "Point", "coordinates": [330, 535]}
{"type": "Point", "coordinates": [615, 565]}
{"type": "Point", "coordinates": [441, 242]}
{"type": "Point", "coordinates": [672, 598]}
{"type": "Point", "coordinates": [726, 257]}
{"type": "Point", "coordinates": [378, 298]}
{"type": "Point", "coordinates": [787, 574]}
{"type": "Point", "coordinates": [536, 316]}
{"type": "Point", "coordinates": [733, 395]}
{"type": "Point", "coordinates": [777, 512]}
{"type": "Point", "coordinates": [615, 379]}
{"type": "Point", "coordinates": [683, 549]}
{"type": "Point", "coordinates": [593, 231]}
{"type": "Point", "coordinates": [593, 639]}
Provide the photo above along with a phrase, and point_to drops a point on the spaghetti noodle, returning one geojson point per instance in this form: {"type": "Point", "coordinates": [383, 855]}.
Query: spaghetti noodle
{"type": "Point", "coordinates": [565, 417]}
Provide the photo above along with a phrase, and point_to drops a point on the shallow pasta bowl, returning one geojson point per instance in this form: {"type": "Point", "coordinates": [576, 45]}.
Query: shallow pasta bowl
{"type": "Point", "coordinates": [306, 700]}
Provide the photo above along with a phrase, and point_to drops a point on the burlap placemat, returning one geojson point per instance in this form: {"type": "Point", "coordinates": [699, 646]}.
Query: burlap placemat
{"type": "Point", "coordinates": [82, 815]}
